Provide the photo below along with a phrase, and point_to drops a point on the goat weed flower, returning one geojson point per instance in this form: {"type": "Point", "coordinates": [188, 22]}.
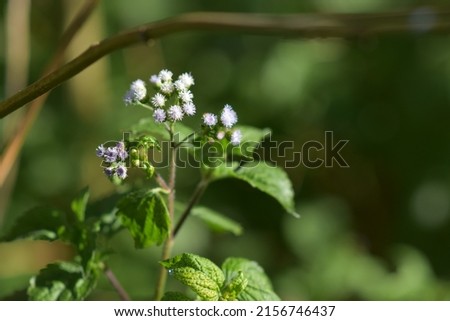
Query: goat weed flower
{"type": "Point", "coordinates": [175, 113]}
{"type": "Point", "coordinates": [171, 102]}
{"type": "Point", "coordinates": [228, 117]}
{"type": "Point", "coordinates": [236, 138]}
{"type": "Point", "coordinates": [159, 115]}
{"type": "Point", "coordinates": [158, 100]}
{"type": "Point", "coordinates": [136, 93]}
{"type": "Point", "coordinates": [209, 119]}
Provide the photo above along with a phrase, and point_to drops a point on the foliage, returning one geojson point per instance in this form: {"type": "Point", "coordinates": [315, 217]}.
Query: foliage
{"type": "Point", "coordinates": [220, 151]}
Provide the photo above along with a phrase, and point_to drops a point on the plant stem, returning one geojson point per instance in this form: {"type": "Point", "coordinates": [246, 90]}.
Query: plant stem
{"type": "Point", "coordinates": [199, 190]}
{"type": "Point", "coordinates": [315, 25]}
{"type": "Point", "coordinates": [161, 182]}
{"type": "Point", "coordinates": [116, 284]}
{"type": "Point", "coordinates": [167, 248]}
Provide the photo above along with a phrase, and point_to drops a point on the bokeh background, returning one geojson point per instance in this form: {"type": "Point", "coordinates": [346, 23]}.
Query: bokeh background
{"type": "Point", "coordinates": [378, 230]}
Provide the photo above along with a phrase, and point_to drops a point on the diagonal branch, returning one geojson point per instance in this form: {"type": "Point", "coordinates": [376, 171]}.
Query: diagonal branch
{"type": "Point", "coordinates": [300, 25]}
{"type": "Point", "coordinates": [13, 147]}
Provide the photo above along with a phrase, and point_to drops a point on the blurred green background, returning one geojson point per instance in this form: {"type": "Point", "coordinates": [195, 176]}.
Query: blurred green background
{"type": "Point", "coordinates": [378, 230]}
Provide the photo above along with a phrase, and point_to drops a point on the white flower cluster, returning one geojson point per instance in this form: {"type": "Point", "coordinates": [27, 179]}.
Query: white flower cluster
{"type": "Point", "coordinates": [228, 118]}
{"type": "Point", "coordinates": [178, 91]}
{"type": "Point", "coordinates": [174, 100]}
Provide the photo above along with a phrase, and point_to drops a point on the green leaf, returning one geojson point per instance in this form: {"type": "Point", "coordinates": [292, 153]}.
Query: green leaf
{"type": "Point", "coordinates": [145, 215]}
{"type": "Point", "coordinates": [175, 296]}
{"type": "Point", "coordinates": [200, 274]}
{"type": "Point", "coordinates": [102, 216]}
{"type": "Point", "coordinates": [39, 223]}
{"type": "Point", "coordinates": [216, 221]}
{"type": "Point", "coordinates": [235, 287]}
{"type": "Point", "coordinates": [258, 287]}
{"type": "Point", "coordinates": [79, 204]}
{"type": "Point", "coordinates": [251, 138]}
{"type": "Point", "coordinates": [148, 126]}
{"type": "Point", "coordinates": [60, 282]}
{"type": "Point", "coordinates": [267, 178]}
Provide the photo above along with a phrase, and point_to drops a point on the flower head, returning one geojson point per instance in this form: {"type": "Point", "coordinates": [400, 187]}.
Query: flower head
{"type": "Point", "coordinates": [121, 152]}
{"type": "Point", "coordinates": [110, 154]}
{"type": "Point", "coordinates": [175, 113]}
{"type": "Point", "coordinates": [228, 117]}
{"type": "Point", "coordinates": [121, 171]}
{"type": "Point", "coordinates": [100, 150]}
{"type": "Point", "coordinates": [109, 171]}
{"type": "Point", "coordinates": [159, 115]}
{"type": "Point", "coordinates": [189, 108]}
{"type": "Point", "coordinates": [209, 119]}
{"type": "Point", "coordinates": [155, 80]}
{"type": "Point", "coordinates": [137, 92]}
{"type": "Point", "coordinates": [167, 88]}
{"type": "Point", "coordinates": [158, 100]}
{"type": "Point", "coordinates": [236, 137]}
{"type": "Point", "coordinates": [165, 75]}
{"type": "Point", "coordinates": [186, 96]}
{"type": "Point", "coordinates": [186, 79]}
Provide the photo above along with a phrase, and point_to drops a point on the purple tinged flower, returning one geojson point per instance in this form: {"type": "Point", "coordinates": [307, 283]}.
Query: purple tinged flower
{"type": "Point", "coordinates": [186, 96]}
{"type": "Point", "coordinates": [220, 135]}
{"type": "Point", "coordinates": [228, 116]}
{"type": "Point", "coordinates": [121, 171]}
{"type": "Point", "coordinates": [165, 75]}
{"type": "Point", "coordinates": [159, 115]}
{"type": "Point", "coordinates": [175, 113]}
{"type": "Point", "coordinates": [121, 152]}
{"type": "Point", "coordinates": [209, 119]}
{"type": "Point", "coordinates": [100, 150]}
{"type": "Point", "coordinates": [128, 98]}
{"type": "Point", "coordinates": [109, 171]}
{"type": "Point", "coordinates": [136, 93]}
{"type": "Point", "coordinates": [155, 80]}
{"type": "Point", "coordinates": [158, 100]}
{"type": "Point", "coordinates": [236, 137]}
{"type": "Point", "coordinates": [110, 155]}
{"type": "Point", "coordinates": [189, 108]}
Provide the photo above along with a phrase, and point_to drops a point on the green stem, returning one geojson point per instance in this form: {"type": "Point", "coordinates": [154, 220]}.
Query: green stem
{"type": "Point", "coordinates": [168, 245]}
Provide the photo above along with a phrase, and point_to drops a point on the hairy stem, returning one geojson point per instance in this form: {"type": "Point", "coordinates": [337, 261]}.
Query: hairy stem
{"type": "Point", "coordinates": [116, 284]}
{"type": "Point", "coordinates": [168, 245]}
{"type": "Point", "coordinates": [298, 25]}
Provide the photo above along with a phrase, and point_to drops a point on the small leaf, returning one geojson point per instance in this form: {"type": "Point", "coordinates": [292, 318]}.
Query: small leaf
{"type": "Point", "coordinates": [216, 221]}
{"type": "Point", "coordinates": [148, 126]}
{"type": "Point", "coordinates": [251, 138]}
{"type": "Point", "coordinates": [61, 281]}
{"type": "Point", "coordinates": [79, 204]}
{"type": "Point", "coordinates": [102, 216]}
{"type": "Point", "coordinates": [258, 288]}
{"type": "Point", "coordinates": [200, 274]}
{"type": "Point", "coordinates": [267, 178]}
{"type": "Point", "coordinates": [39, 223]}
{"type": "Point", "coordinates": [145, 215]}
{"type": "Point", "coordinates": [235, 287]}
{"type": "Point", "coordinates": [175, 296]}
